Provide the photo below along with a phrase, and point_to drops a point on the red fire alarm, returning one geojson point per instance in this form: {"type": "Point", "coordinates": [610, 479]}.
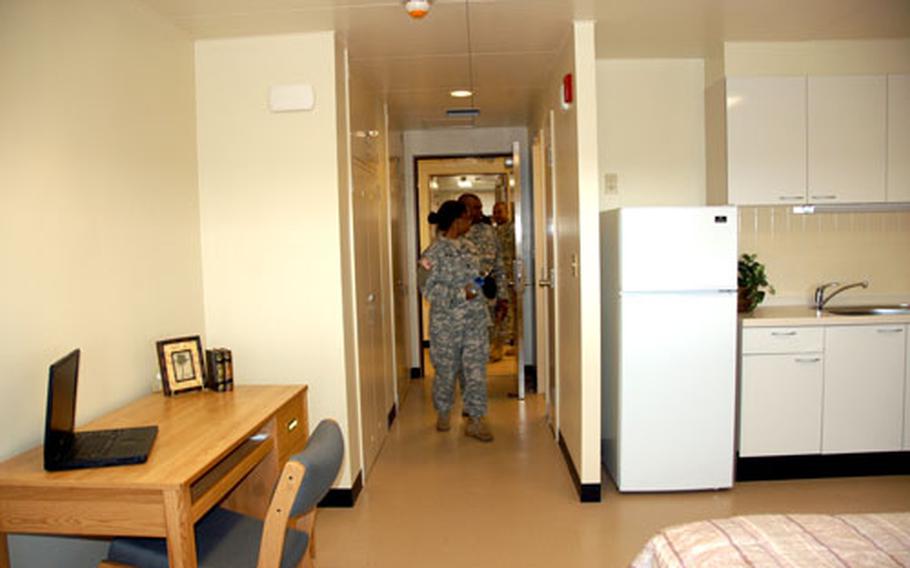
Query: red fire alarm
{"type": "Point", "coordinates": [567, 91]}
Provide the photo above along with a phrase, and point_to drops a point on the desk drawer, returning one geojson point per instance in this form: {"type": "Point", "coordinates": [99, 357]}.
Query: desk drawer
{"type": "Point", "coordinates": [291, 426]}
{"type": "Point", "coordinates": [783, 340]}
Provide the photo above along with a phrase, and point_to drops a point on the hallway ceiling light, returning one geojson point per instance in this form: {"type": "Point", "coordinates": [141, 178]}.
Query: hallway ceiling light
{"type": "Point", "coordinates": [461, 93]}
{"type": "Point", "coordinates": [417, 9]}
{"type": "Point", "coordinates": [464, 182]}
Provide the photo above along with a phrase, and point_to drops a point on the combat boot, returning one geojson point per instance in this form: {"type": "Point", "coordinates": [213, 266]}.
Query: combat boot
{"type": "Point", "coordinates": [477, 428]}
{"type": "Point", "coordinates": [442, 422]}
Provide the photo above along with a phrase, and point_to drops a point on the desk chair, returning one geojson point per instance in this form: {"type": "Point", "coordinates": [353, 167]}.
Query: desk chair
{"type": "Point", "coordinates": [225, 539]}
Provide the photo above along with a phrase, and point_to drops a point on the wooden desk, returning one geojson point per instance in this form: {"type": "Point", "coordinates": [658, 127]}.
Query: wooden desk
{"type": "Point", "coordinates": [204, 452]}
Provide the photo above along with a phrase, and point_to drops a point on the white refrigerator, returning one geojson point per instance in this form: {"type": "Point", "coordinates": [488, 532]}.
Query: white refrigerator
{"type": "Point", "coordinates": [669, 347]}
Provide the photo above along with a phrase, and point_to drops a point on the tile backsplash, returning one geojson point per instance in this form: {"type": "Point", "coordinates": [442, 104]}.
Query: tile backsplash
{"type": "Point", "coordinates": [801, 251]}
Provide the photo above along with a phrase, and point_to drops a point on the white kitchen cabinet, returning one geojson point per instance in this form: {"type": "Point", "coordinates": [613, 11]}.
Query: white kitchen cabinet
{"type": "Point", "coordinates": [781, 391]}
{"type": "Point", "coordinates": [863, 408]}
{"type": "Point", "coordinates": [781, 404]}
{"type": "Point", "coordinates": [907, 393]}
{"type": "Point", "coordinates": [898, 138]}
{"type": "Point", "coordinates": [766, 140]}
{"type": "Point", "coordinates": [847, 138]}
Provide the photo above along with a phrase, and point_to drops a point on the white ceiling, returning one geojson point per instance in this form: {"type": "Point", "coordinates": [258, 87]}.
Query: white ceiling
{"type": "Point", "coordinates": [415, 63]}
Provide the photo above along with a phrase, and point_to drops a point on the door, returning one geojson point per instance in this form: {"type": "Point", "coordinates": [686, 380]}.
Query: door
{"type": "Point", "coordinates": [544, 254]}
{"type": "Point", "coordinates": [701, 255]}
{"type": "Point", "coordinates": [864, 388]}
{"type": "Point", "coordinates": [517, 268]}
{"type": "Point", "coordinates": [847, 138]}
{"type": "Point", "coordinates": [766, 140]}
{"type": "Point", "coordinates": [676, 396]}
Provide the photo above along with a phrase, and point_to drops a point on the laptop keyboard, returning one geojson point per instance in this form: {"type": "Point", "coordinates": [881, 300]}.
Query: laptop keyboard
{"type": "Point", "coordinates": [88, 444]}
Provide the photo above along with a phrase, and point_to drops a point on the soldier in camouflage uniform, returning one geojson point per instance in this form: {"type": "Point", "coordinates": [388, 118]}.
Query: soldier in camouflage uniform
{"type": "Point", "coordinates": [504, 322]}
{"type": "Point", "coordinates": [459, 342]}
{"type": "Point", "coordinates": [483, 235]}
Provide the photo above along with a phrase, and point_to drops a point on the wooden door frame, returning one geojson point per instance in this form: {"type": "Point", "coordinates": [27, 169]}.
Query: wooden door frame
{"type": "Point", "coordinates": [420, 220]}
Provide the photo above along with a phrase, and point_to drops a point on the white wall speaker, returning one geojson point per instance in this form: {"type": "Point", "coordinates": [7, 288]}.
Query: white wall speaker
{"type": "Point", "coordinates": [288, 98]}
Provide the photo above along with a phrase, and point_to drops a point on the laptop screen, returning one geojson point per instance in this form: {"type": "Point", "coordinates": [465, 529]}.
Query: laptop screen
{"type": "Point", "coordinates": [61, 400]}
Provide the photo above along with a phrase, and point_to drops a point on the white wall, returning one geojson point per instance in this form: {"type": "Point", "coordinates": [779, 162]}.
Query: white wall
{"type": "Point", "coordinates": [651, 123]}
{"type": "Point", "coordinates": [272, 218]}
{"type": "Point", "coordinates": [470, 141]}
{"type": "Point", "coordinates": [99, 223]}
{"type": "Point", "coordinates": [577, 235]}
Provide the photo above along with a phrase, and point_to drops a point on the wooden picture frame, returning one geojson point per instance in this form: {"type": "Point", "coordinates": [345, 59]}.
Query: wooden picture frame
{"type": "Point", "coordinates": [181, 363]}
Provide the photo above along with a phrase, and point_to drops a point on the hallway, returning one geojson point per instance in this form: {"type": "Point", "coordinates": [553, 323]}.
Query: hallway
{"type": "Point", "coordinates": [444, 500]}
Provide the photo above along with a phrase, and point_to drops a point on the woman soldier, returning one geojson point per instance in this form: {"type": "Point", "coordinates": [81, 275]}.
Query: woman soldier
{"type": "Point", "coordinates": [458, 320]}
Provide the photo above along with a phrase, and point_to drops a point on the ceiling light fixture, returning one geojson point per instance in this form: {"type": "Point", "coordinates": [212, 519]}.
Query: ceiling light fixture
{"type": "Point", "coordinates": [464, 182]}
{"type": "Point", "coordinates": [461, 93]}
{"type": "Point", "coordinates": [417, 9]}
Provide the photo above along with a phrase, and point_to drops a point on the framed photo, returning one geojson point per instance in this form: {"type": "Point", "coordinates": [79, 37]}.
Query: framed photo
{"type": "Point", "coordinates": [181, 363]}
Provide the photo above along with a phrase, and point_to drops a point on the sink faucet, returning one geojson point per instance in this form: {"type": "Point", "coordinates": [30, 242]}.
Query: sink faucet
{"type": "Point", "coordinates": [821, 299]}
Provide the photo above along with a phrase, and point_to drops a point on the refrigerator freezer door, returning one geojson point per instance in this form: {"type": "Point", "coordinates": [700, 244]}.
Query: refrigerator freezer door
{"type": "Point", "coordinates": [677, 248]}
{"type": "Point", "coordinates": [677, 391]}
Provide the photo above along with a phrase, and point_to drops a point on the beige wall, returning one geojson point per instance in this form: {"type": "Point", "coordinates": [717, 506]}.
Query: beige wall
{"type": "Point", "coordinates": [577, 236]}
{"type": "Point", "coordinates": [651, 131]}
{"type": "Point", "coordinates": [99, 222]}
{"type": "Point", "coordinates": [272, 218]}
{"type": "Point", "coordinates": [802, 251]}
{"type": "Point", "coordinates": [817, 57]}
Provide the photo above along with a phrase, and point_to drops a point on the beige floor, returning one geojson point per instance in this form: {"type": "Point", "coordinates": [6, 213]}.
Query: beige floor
{"type": "Point", "coordinates": [443, 500]}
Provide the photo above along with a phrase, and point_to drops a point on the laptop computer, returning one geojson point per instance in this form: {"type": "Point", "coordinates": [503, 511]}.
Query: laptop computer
{"type": "Point", "coordinates": [65, 449]}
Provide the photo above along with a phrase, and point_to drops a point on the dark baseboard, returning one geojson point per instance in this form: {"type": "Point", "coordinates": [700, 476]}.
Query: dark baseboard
{"type": "Point", "coordinates": [343, 498]}
{"type": "Point", "coordinates": [587, 492]}
{"type": "Point", "coordinates": [392, 414]}
{"type": "Point", "coordinates": [817, 466]}
{"type": "Point", "coordinates": [416, 373]}
{"type": "Point", "coordinates": [531, 378]}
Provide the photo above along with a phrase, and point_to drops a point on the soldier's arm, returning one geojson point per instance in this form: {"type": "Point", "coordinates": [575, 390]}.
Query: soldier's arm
{"type": "Point", "coordinates": [439, 286]}
{"type": "Point", "coordinates": [499, 273]}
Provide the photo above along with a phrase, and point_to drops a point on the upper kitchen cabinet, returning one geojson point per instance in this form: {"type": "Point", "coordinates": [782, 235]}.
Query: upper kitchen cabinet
{"type": "Point", "coordinates": [766, 140]}
{"type": "Point", "coordinates": [899, 138]}
{"type": "Point", "coordinates": [847, 137]}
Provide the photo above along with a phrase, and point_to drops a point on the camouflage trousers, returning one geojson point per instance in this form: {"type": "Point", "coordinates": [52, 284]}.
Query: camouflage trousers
{"type": "Point", "coordinates": [459, 345]}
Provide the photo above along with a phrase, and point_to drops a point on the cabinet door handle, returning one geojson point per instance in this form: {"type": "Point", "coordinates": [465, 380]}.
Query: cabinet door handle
{"type": "Point", "coordinates": [292, 424]}
{"type": "Point", "coordinates": [791, 198]}
{"type": "Point", "coordinates": [891, 330]}
{"type": "Point", "coordinates": [783, 333]}
{"type": "Point", "coordinates": [808, 359]}
{"type": "Point", "coordinates": [825, 197]}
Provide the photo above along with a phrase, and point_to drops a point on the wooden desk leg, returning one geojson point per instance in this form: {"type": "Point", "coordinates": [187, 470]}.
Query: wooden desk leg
{"type": "Point", "coordinates": [4, 552]}
{"type": "Point", "coordinates": [181, 539]}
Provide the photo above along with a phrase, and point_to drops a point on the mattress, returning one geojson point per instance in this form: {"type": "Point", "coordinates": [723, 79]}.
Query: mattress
{"type": "Point", "coordinates": [782, 540]}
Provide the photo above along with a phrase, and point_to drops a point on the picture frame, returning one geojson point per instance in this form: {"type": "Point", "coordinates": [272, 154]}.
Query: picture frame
{"type": "Point", "coordinates": [181, 363]}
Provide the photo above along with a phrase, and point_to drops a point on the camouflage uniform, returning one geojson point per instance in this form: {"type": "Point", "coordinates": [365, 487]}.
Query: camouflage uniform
{"type": "Point", "coordinates": [505, 328]}
{"type": "Point", "coordinates": [490, 259]}
{"type": "Point", "coordinates": [489, 255]}
{"type": "Point", "coordinates": [459, 342]}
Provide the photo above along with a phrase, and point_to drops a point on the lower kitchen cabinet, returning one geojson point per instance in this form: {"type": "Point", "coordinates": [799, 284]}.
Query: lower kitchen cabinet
{"type": "Point", "coordinates": [907, 396]}
{"type": "Point", "coordinates": [781, 404]}
{"type": "Point", "coordinates": [863, 407]}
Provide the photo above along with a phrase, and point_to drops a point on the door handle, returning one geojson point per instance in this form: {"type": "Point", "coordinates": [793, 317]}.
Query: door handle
{"type": "Point", "coordinates": [544, 283]}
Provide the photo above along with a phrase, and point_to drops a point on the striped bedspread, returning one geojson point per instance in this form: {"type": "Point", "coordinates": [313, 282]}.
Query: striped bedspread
{"type": "Point", "coordinates": [815, 541]}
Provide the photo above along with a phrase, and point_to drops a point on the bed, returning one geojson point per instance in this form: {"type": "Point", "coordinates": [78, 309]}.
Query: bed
{"type": "Point", "coordinates": [782, 540]}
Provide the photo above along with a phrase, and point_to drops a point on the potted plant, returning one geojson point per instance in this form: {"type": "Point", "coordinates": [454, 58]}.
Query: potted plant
{"type": "Point", "coordinates": [753, 282]}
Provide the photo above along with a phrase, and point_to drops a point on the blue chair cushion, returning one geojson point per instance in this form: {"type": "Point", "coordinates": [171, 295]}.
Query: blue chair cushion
{"type": "Point", "coordinates": [224, 539]}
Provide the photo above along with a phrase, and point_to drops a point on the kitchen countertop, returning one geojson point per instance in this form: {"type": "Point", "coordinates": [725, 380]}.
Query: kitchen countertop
{"type": "Point", "coordinates": [790, 316]}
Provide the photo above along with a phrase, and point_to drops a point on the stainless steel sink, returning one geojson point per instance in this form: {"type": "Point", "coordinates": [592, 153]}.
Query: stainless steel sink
{"type": "Point", "coordinates": [872, 310]}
